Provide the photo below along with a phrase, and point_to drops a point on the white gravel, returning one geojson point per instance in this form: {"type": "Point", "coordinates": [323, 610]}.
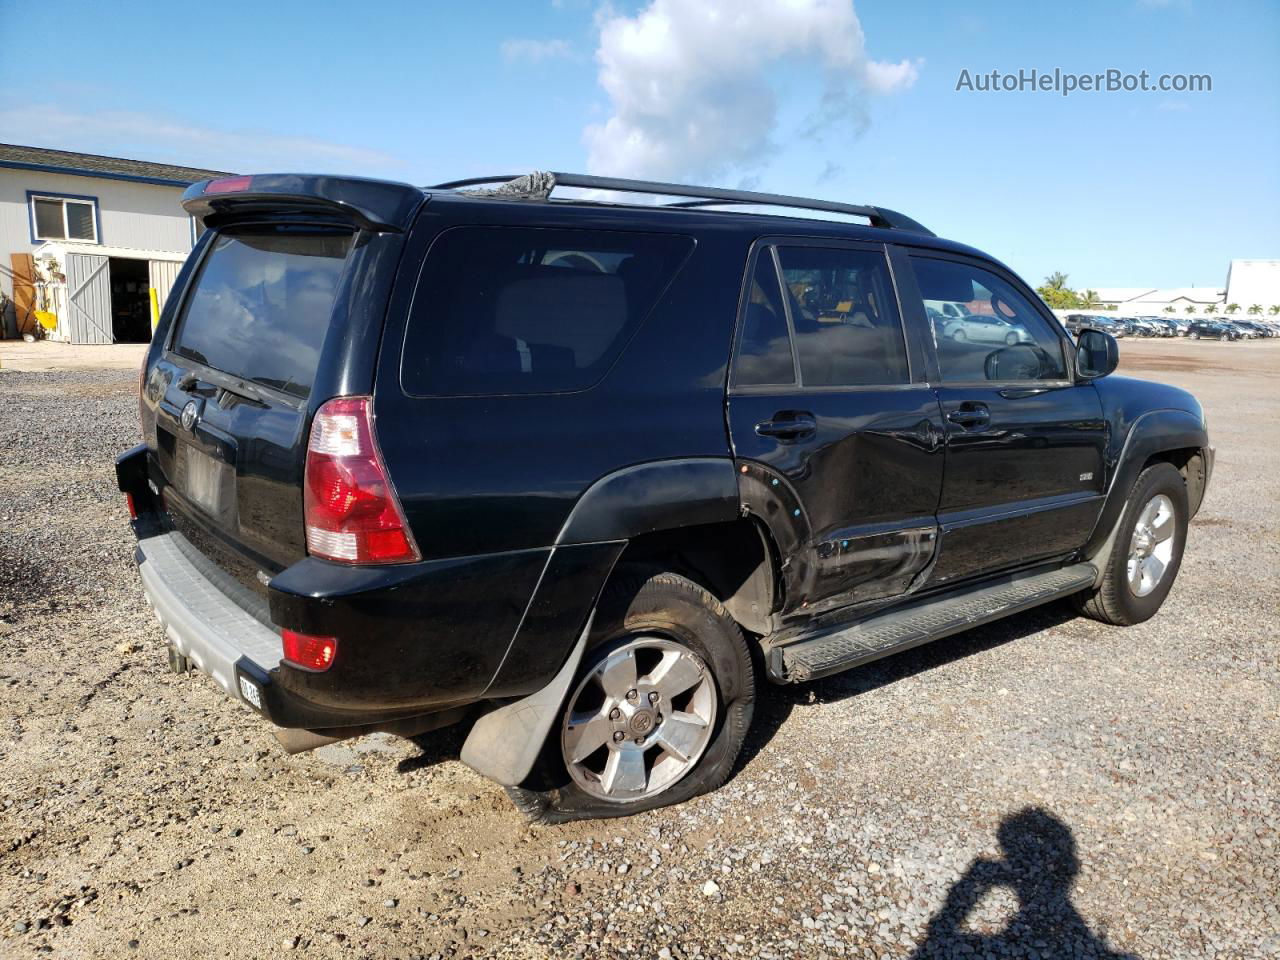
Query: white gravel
{"type": "Point", "coordinates": [1042, 787]}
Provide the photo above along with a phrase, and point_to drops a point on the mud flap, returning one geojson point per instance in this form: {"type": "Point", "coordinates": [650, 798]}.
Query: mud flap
{"type": "Point", "coordinates": [505, 743]}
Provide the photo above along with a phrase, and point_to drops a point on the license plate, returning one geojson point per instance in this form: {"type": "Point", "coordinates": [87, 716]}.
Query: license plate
{"type": "Point", "coordinates": [204, 480]}
{"type": "Point", "coordinates": [249, 690]}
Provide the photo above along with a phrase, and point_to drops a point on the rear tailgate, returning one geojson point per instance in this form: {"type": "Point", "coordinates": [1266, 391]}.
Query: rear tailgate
{"type": "Point", "coordinates": [282, 309]}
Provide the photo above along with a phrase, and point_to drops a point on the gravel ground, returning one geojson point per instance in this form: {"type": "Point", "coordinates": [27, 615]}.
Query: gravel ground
{"type": "Point", "coordinates": [1042, 787]}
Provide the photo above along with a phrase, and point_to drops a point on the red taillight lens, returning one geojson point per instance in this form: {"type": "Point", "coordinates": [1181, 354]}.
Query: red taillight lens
{"type": "Point", "coordinates": [351, 510]}
{"type": "Point", "coordinates": [228, 185]}
{"type": "Point", "coordinates": [310, 653]}
{"type": "Point", "coordinates": [133, 507]}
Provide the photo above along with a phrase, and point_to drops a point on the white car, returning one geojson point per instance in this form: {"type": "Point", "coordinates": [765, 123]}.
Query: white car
{"type": "Point", "coordinates": [986, 329]}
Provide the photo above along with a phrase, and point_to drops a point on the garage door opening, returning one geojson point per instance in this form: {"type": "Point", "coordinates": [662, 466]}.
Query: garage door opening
{"type": "Point", "coordinates": [130, 301]}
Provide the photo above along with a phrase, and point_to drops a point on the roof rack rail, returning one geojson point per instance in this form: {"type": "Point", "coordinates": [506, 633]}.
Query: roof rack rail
{"type": "Point", "coordinates": [703, 196]}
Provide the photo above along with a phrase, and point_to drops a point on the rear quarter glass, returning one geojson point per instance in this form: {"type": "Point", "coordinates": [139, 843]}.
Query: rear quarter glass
{"type": "Point", "coordinates": [514, 310]}
{"type": "Point", "coordinates": [261, 304]}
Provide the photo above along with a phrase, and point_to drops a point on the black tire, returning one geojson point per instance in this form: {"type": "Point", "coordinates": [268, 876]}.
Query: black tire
{"type": "Point", "coordinates": [1113, 601]}
{"type": "Point", "coordinates": [675, 608]}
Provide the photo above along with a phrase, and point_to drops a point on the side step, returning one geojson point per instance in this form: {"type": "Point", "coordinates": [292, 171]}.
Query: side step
{"type": "Point", "coordinates": [895, 630]}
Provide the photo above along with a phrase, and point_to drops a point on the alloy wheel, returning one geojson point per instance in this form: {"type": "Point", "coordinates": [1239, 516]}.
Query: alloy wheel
{"type": "Point", "coordinates": [639, 720]}
{"type": "Point", "coordinates": [1151, 545]}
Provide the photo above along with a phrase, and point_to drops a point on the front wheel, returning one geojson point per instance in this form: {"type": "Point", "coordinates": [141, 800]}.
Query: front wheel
{"type": "Point", "coordinates": [658, 712]}
{"type": "Point", "coordinates": [1011, 339]}
{"type": "Point", "coordinates": [1147, 551]}
{"type": "Point", "coordinates": [959, 336]}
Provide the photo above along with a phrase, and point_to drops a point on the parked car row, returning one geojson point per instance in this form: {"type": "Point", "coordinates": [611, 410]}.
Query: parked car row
{"type": "Point", "coordinates": [1205, 328]}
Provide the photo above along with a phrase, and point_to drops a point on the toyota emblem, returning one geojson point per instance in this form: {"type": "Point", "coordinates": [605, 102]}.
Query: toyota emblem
{"type": "Point", "coordinates": [190, 414]}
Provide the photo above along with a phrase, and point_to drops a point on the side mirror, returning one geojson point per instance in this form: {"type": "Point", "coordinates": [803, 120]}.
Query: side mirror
{"type": "Point", "coordinates": [1097, 354]}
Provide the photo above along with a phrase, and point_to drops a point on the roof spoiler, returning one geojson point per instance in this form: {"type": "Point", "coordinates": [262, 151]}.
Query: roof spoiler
{"type": "Point", "coordinates": [538, 186]}
{"type": "Point", "coordinates": [377, 205]}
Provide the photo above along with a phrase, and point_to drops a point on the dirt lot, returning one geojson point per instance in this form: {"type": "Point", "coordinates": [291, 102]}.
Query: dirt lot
{"type": "Point", "coordinates": [1042, 787]}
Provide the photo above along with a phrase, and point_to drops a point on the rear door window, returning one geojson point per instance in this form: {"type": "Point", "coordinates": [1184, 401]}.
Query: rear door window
{"type": "Point", "coordinates": [764, 350]}
{"type": "Point", "coordinates": [845, 316]}
{"type": "Point", "coordinates": [512, 310]}
{"type": "Point", "coordinates": [261, 304]}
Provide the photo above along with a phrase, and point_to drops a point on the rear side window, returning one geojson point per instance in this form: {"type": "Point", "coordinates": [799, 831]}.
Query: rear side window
{"type": "Point", "coordinates": [510, 310]}
{"type": "Point", "coordinates": [260, 306]}
{"type": "Point", "coordinates": [845, 317]}
{"type": "Point", "coordinates": [764, 352]}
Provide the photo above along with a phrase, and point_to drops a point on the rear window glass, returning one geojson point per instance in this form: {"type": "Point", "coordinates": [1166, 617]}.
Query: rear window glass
{"type": "Point", "coordinates": [261, 304]}
{"type": "Point", "coordinates": [508, 310]}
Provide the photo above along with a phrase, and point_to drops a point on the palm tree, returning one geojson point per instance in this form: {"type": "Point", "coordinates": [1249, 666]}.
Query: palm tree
{"type": "Point", "coordinates": [1275, 309]}
{"type": "Point", "coordinates": [1089, 299]}
{"type": "Point", "coordinates": [1232, 307]}
{"type": "Point", "coordinates": [1255, 309]}
{"type": "Point", "coordinates": [1056, 280]}
{"type": "Point", "coordinates": [1190, 308]}
{"type": "Point", "coordinates": [1172, 309]}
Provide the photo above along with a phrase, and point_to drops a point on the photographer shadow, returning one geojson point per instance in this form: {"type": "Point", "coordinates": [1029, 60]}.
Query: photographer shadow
{"type": "Point", "coordinates": [1038, 864]}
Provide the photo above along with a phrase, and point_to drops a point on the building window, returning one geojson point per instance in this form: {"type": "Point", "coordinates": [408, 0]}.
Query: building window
{"type": "Point", "coordinates": [63, 218]}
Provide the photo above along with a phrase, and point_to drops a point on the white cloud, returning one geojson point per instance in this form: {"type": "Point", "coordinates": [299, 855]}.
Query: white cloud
{"type": "Point", "coordinates": [889, 77]}
{"type": "Point", "coordinates": [691, 84]}
{"type": "Point", "coordinates": [522, 50]}
{"type": "Point", "coordinates": [146, 137]}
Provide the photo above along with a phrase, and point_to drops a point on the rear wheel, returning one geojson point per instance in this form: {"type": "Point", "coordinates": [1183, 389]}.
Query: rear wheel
{"type": "Point", "coordinates": [959, 336]}
{"type": "Point", "coordinates": [658, 712]}
{"type": "Point", "coordinates": [1146, 553]}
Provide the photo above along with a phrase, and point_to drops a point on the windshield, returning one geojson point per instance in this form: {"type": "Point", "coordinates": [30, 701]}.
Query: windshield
{"type": "Point", "coordinates": [260, 306]}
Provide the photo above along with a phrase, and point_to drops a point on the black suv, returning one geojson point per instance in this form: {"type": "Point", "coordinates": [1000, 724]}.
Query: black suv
{"type": "Point", "coordinates": [582, 474]}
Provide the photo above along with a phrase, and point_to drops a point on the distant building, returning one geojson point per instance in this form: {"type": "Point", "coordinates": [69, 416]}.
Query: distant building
{"type": "Point", "coordinates": [88, 237]}
{"type": "Point", "coordinates": [1254, 281]}
{"type": "Point", "coordinates": [1249, 282]}
{"type": "Point", "coordinates": [1149, 301]}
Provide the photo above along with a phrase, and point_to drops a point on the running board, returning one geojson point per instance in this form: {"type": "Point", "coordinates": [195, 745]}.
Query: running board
{"type": "Point", "coordinates": [895, 630]}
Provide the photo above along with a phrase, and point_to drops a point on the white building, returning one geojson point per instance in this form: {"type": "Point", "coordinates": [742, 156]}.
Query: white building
{"type": "Point", "coordinates": [1252, 282]}
{"type": "Point", "coordinates": [1150, 301]}
{"type": "Point", "coordinates": [1249, 283]}
{"type": "Point", "coordinates": [87, 238]}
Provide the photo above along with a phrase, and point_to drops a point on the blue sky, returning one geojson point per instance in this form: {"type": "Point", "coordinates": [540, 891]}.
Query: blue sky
{"type": "Point", "coordinates": [1115, 189]}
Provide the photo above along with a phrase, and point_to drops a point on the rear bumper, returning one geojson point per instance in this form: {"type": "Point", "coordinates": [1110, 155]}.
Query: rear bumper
{"type": "Point", "coordinates": [413, 639]}
{"type": "Point", "coordinates": [243, 655]}
{"type": "Point", "coordinates": [202, 622]}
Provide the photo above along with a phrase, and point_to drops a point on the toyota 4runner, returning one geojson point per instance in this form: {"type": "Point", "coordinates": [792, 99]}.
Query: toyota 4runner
{"type": "Point", "coordinates": [581, 474]}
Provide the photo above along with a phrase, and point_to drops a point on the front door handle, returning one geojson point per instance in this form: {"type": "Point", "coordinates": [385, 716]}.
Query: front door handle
{"type": "Point", "coordinates": [788, 425]}
{"type": "Point", "coordinates": [970, 414]}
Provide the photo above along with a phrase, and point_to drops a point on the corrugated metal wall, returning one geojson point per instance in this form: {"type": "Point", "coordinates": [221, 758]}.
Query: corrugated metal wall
{"type": "Point", "coordinates": [163, 273]}
{"type": "Point", "coordinates": [89, 298]}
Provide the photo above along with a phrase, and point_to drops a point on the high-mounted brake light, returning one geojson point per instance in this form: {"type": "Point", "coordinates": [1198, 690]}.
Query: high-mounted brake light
{"type": "Point", "coordinates": [308, 652]}
{"type": "Point", "coordinates": [350, 508]}
{"type": "Point", "coordinates": [228, 185]}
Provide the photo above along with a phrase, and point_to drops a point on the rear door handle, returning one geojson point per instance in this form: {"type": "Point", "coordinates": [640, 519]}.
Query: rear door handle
{"type": "Point", "coordinates": [970, 414]}
{"type": "Point", "coordinates": [789, 425]}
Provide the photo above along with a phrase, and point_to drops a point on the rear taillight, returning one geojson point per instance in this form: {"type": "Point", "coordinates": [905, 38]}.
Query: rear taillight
{"type": "Point", "coordinates": [132, 505]}
{"type": "Point", "coordinates": [308, 652]}
{"type": "Point", "coordinates": [351, 510]}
